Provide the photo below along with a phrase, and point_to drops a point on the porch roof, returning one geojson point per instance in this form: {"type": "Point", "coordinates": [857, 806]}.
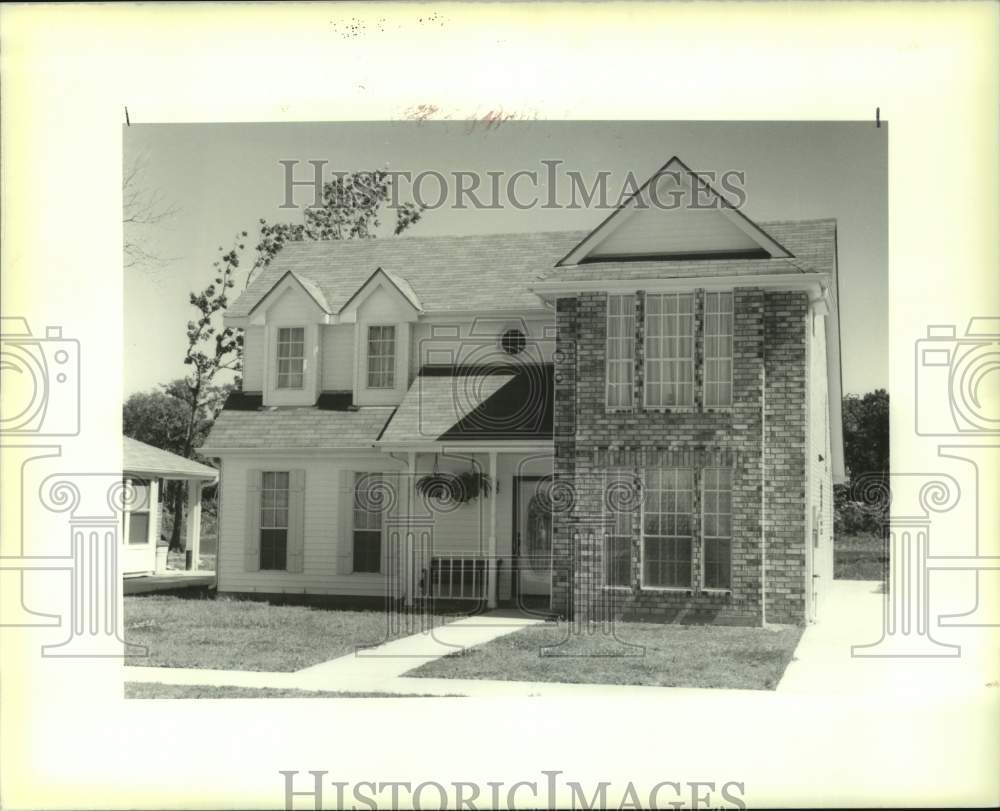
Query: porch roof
{"type": "Point", "coordinates": [142, 460]}
{"type": "Point", "coordinates": [475, 404]}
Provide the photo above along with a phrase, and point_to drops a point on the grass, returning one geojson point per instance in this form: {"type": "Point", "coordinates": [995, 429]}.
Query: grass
{"type": "Point", "coordinates": [674, 656]}
{"type": "Point", "coordinates": [859, 557]}
{"type": "Point", "coordinates": [157, 690]}
{"type": "Point", "coordinates": [232, 634]}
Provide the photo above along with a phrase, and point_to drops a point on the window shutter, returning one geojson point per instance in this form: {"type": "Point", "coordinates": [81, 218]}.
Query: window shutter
{"type": "Point", "coordinates": [296, 521]}
{"type": "Point", "coordinates": [344, 543]}
{"type": "Point", "coordinates": [251, 543]}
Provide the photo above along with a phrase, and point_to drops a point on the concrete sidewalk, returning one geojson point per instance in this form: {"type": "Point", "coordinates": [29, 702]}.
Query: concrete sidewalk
{"type": "Point", "coordinates": [823, 663]}
{"type": "Point", "coordinates": [826, 661]}
{"type": "Point", "coordinates": [378, 669]}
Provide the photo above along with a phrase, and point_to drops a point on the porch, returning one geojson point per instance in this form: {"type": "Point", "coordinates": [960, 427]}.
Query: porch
{"type": "Point", "coordinates": [447, 547]}
{"type": "Point", "coordinates": [473, 522]}
{"type": "Point", "coordinates": [145, 469]}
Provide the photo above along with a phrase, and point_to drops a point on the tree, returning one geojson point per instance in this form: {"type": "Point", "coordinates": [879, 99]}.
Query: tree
{"type": "Point", "coordinates": [862, 506]}
{"type": "Point", "coordinates": [142, 209]}
{"type": "Point", "coordinates": [165, 419]}
{"type": "Point", "coordinates": [866, 433]}
{"type": "Point", "coordinates": [351, 208]}
{"type": "Point", "coordinates": [156, 418]}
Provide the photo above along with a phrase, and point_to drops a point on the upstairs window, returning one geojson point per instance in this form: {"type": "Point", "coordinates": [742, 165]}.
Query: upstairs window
{"type": "Point", "coordinates": [381, 357]}
{"type": "Point", "coordinates": [669, 378]}
{"type": "Point", "coordinates": [620, 350]}
{"type": "Point", "coordinates": [718, 349]}
{"type": "Point", "coordinates": [291, 357]}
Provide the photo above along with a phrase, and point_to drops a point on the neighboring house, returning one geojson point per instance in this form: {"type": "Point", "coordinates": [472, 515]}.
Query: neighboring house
{"type": "Point", "coordinates": [658, 402]}
{"type": "Point", "coordinates": [144, 469]}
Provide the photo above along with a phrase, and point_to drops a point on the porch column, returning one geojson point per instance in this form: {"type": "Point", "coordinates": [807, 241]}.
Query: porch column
{"type": "Point", "coordinates": [409, 564]}
{"type": "Point", "coordinates": [193, 524]}
{"type": "Point", "coordinates": [491, 566]}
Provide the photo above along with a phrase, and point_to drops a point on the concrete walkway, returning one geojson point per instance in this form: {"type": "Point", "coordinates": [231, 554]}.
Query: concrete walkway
{"type": "Point", "coordinates": [827, 662]}
{"type": "Point", "coordinates": [823, 663]}
{"type": "Point", "coordinates": [378, 669]}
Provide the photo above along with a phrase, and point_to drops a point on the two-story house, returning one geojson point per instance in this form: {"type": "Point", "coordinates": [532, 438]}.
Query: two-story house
{"type": "Point", "coordinates": [645, 416]}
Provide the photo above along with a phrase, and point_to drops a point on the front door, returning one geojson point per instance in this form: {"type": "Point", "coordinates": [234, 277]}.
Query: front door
{"type": "Point", "coordinates": [533, 538]}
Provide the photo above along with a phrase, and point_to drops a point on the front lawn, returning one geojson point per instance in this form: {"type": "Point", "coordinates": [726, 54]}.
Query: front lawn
{"type": "Point", "coordinates": [674, 656]}
{"type": "Point", "coordinates": [860, 556]}
{"type": "Point", "coordinates": [231, 634]}
{"type": "Point", "coordinates": [157, 690]}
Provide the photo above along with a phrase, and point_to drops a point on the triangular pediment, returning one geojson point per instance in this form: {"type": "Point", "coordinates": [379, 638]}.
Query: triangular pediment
{"type": "Point", "coordinates": [675, 215]}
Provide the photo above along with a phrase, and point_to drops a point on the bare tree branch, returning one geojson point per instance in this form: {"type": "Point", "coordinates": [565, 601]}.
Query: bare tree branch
{"type": "Point", "coordinates": [142, 208]}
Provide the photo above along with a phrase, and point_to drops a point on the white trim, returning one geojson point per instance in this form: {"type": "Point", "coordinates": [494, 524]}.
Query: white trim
{"type": "Point", "coordinates": [243, 321]}
{"type": "Point", "coordinates": [811, 281]}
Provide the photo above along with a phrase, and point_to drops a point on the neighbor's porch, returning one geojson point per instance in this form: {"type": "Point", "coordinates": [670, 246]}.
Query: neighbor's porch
{"type": "Point", "coordinates": [145, 471]}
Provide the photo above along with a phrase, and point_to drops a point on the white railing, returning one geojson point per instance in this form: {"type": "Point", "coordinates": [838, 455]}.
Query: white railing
{"type": "Point", "coordinates": [456, 577]}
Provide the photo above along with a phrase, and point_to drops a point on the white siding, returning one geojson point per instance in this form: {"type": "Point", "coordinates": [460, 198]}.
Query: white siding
{"type": "Point", "coordinates": [681, 229]}
{"type": "Point", "coordinates": [382, 307]}
{"type": "Point", "coordinates": [253, 359]}
{"type": "Point", "coordinates": [323, 536]}
{"type": "Point", "coordinates": [820, 501]}
{"type": "Point", "coordinates": [327, 553]}
{"type": "Point", "coordinates": [293, 307]}
{"type": "Point", "coordinates": [338, 357]}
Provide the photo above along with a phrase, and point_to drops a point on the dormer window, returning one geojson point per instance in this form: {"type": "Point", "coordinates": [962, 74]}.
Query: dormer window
{"type": "Point", "coordinates": [291, 357]}
{"type": "Point", "coordinates": [382, 357]}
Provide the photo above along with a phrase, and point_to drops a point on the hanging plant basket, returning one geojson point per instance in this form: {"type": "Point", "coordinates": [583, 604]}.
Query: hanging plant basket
{"type": "Point", "coordinates": [459, 488]}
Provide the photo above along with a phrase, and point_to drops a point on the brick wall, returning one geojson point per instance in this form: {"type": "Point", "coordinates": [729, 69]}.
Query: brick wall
{"type": "Point", "coordinates": [768, 343]}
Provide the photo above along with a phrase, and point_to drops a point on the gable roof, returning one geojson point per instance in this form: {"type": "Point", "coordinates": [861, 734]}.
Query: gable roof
{"type": "Point", "coordinates": [312, 289]}
{"type": "Point", "coordinates": [141, 459]}
{"type": "Point", "coordinates": [811, 243]}
{"type": "Point", "coordinates": [402, 286]}
{"type": "Point", "coordinates": [484, 272]}
{"type": "Point", "coordinates": [689, 229]}
{"type": "Point", "coordinates": [464, 273]}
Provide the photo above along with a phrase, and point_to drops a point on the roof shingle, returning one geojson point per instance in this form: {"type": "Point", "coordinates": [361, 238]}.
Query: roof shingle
{"type": "Point", "coordinates": [485, 271]}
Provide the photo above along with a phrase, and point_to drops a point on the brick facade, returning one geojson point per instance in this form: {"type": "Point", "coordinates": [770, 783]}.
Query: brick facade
{"type": "Point", "coordinates": [769, 345]}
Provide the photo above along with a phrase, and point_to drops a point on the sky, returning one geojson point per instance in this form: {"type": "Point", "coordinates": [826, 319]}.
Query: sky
{"type": "Point", "coordinates": [221, 179]}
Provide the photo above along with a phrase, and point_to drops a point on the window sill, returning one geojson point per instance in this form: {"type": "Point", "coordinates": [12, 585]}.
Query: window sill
{"type": "Point", "coordinates": [718, 592]}
{"type": "Point", "coordinates": [669, 589]}
{"type": "Point", "coordinates": [671, 409]}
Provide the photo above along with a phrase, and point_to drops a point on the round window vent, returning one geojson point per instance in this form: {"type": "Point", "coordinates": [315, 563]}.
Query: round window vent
{"type": "Point", "coordinates": [513, 341]}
